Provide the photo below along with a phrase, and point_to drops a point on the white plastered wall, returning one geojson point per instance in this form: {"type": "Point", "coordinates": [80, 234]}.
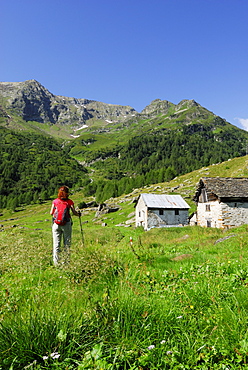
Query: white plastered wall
{"type": "Point", "coordinates": [141, 214]}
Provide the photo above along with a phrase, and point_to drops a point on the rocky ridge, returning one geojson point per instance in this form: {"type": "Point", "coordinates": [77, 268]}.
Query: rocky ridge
{"type": "Point", "coordinates": [33, 102]}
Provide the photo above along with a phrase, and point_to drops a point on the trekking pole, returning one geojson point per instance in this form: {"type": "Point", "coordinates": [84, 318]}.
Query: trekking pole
{"type": "Point", "coordinates": [81, 230]}
{"type": "Point", "coordinates": [131, 245]}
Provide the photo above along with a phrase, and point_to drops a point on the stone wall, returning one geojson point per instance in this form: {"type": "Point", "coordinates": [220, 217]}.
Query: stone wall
{"type": "Point", "coordinates": [222, 215]}
{"type": "Point", "coordinates": [169, 217]}
{"type": "Point", "coordinates": [234, 214]}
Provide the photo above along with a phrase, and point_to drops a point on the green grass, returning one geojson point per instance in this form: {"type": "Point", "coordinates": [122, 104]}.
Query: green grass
{"type": "Point", "coordinates": [173, 299]}
{"type": "Point", "coordinates": [122, 306]}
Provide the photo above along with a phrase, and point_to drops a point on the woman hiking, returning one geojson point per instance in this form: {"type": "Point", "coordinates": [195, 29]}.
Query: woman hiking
{"type": "Point", "coordinates": [62, 224]}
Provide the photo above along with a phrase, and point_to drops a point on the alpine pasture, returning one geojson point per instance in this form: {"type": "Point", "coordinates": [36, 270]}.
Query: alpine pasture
{"type": "Point", "coordinates": [173, 298]}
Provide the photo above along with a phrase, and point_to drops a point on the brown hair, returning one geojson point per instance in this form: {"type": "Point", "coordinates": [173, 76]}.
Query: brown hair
{"type": "Point", "coordinates": [63, 192]}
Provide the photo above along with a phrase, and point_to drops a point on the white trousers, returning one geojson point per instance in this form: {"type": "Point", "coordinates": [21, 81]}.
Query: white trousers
{"type": "Point", "coordinates": [59, 232]}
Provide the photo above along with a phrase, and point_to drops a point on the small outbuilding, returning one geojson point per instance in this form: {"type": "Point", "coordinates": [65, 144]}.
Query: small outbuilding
{"type": "Point", "coordinates": [222, 202]}
{"type": "Point", "coordinates": [161, 210]}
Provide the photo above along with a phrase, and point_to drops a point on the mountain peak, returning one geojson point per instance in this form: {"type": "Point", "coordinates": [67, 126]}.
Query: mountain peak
{"type": "Point", "coordinates": [187, 103]}
{"type": "Point", "coordinates": [156, 107]}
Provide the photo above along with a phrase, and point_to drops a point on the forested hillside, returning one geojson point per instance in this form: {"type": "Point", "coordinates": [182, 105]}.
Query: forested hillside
{"type": "Point", "coordinates": [159, 157]}
{"type": "Point", "coordinates": [32, 167]}
{"type": "Point", "coordinates": [44, 138]}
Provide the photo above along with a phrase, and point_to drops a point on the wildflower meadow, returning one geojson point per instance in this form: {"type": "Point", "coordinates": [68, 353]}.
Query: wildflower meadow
{"type": "Point", "coordinates": [174, 298]}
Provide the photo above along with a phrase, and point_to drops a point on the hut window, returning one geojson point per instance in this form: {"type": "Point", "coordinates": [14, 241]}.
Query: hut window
{"type": "Point", "coordinates": [208, 223]}
{"type": "Point", "coordinates": [207, 207]}
{"type": "Point", "coordinates": [176, 212]}
{"type": "Point", "coordinates": [161, 212]}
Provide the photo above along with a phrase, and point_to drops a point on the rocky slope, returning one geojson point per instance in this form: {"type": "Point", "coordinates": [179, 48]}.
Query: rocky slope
{"type": "Point", "coordinates": [33, 102]}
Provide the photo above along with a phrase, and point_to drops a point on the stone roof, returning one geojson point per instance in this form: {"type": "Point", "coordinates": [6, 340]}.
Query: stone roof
{"type": "Point", "coordinates": [223, 187]}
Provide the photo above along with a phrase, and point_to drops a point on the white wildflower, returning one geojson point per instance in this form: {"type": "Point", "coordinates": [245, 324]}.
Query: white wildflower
{"type": "Point", "coordinates": [55, 355]}
{"type": "Point", "coordinates": [151, 347]}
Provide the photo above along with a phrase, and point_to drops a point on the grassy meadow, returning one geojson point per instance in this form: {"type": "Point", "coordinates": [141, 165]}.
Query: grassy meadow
{"type": "Point", "coordinates": [172, 298]}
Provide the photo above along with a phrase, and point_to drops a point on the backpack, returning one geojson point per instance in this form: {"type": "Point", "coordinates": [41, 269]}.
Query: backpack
{"type": "Point", "coordinates": [61, 213]}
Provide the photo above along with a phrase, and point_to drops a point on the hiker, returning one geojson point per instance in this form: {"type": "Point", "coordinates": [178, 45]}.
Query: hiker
{"type": "Point", "coordinates": [62, 223]}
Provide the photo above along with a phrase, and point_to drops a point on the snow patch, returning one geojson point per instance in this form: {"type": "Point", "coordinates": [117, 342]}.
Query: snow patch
{"type": "Point", "coordinates": [80, 128]}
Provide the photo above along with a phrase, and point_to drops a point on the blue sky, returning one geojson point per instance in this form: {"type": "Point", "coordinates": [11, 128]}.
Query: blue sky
{"type": "Point", "coordinates": [131, 52]}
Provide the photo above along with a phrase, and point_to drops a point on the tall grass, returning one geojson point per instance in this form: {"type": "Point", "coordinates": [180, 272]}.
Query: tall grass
{"type": "Point", "coordinates": [123, 306]}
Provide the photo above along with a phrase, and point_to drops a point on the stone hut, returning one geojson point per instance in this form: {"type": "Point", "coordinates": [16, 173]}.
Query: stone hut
{"type": "Point", "coordinates": [222, 202]}
{"type": "Point", "coordinates": [161, 210]}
